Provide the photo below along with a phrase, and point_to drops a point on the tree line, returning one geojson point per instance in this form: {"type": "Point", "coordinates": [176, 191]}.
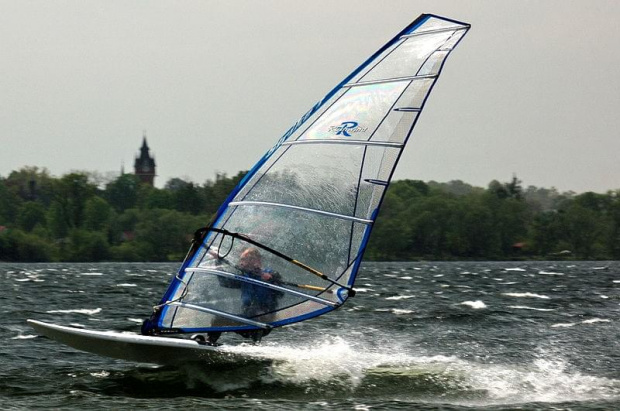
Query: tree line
{"type": "Point", "coordinates": [77, 217]}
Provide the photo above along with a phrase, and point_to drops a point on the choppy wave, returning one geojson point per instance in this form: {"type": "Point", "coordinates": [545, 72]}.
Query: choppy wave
{"type": "Point", "coordinates": [336, 368]}
{"type": "Point", "coordinates": [526, 295]}
{"type": "Point", "coordinates": [476, 305]}
{"type": "Point", "coordinates": [76, 311]}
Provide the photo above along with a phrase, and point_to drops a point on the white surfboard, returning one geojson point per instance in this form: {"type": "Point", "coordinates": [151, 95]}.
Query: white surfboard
{"type": "Point", "coordinates": [141, 348]}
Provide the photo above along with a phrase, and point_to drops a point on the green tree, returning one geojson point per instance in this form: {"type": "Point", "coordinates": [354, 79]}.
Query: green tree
{"type": "Point", "coordinates": [30, 214]}
{"type": "Point", "coordinates": [86, 246]}
{"type": "Point", "coordinates": [582, 228]}
{"type": "Point", "coordinates": [122, 193]}
{"type": "Point", "coordinates": [186, 196]}
{"type": "Point", "coordinates": [9, 204]}
{"type": "Point", "coordinates": [57, 220]}
{"type": "Point", "coordinates": [32, 184]}
{"type": "Point", "coordinates": [72, 191]}
{"type": "Point", "coordinates": [24, 247]}
{"type": "Point", "coordinates": [169, 232]}
{"type": "Point", "coordinates": [97, 214]}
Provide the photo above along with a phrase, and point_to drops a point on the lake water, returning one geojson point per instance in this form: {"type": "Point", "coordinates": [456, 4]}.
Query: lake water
{"type": "Point", "coordinates": [431, 336]}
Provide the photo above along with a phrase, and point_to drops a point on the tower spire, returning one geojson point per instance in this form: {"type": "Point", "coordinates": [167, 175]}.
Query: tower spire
{"type": "Point", "coordinates": [144, 166]}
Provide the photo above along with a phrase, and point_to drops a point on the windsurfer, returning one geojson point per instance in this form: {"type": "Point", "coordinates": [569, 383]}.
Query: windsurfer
{"type": "Point", "coordinates": [256, 300]}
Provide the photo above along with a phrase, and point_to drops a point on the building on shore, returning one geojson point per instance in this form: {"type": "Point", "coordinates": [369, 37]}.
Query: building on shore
{"type": "Point", "coordinates": [144, 166]}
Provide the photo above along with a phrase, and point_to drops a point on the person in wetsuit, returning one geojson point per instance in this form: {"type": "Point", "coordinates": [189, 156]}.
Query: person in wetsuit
{"type": "Point", "coordinates": [255, 299]}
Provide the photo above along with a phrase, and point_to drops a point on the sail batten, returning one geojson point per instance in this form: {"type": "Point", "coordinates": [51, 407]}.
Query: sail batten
{"type": "Point", "coordinates": [390, 80]}
{"type": "Point", "coordinates": [220, 314]}
{"type": "Point", "coordinates": [449, 29]}
{"type": "Point", "coordinates": [303, 215]}
{"type": "Point", "coordinates": [267, 285]}
{"type": "Point", "coordinates": [309, 210]}
{"type": "Point", "coordinates": [349, 142]}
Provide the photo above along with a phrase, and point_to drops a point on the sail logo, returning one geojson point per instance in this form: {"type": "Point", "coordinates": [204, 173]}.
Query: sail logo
{"type": "Point", "coordinates": [347, 128]}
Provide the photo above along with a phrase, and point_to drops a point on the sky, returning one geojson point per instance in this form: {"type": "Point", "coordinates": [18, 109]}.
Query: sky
{"type": "Point", "coordinates": [532, 90]}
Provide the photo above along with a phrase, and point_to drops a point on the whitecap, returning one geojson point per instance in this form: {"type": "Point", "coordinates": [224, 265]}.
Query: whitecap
{"type": "Point", "coordinates": [563, 325]}
{"type": "Point", "coordinates": [398, 311]}
{"type": "Point", "coordinates": [92, 274]}
{"type": "Point", "coordinates": [476, 305]}
{"type": "Point", "coordinates": [526, 295]}
{"type": "Point", "coordinates": [525, 307]}
{"type": "Point", "coordinates": [135, 320]}
{"type": "Point", "coordinates": [514, 269]}
{"type": "Point", "coordinates": [77, 311]}
{"type": "Point", "coordinates": [549, 273]}
{"type": "Point", "coordinates": [406, 278]}
{"type": "Point", "coordinates": [596, 320]}
{"type": "Point", "coordinates": [126, 285]}
{"type": "Point", "coordinates": [24, 337]}
{"type": "Point", "coordinates": [400, 297]}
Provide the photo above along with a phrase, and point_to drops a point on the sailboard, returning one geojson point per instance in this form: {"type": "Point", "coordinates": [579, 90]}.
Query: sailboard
{"type": "Point", "coordinates": [287, 243]}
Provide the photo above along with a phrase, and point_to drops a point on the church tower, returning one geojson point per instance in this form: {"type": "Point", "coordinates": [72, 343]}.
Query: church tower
{"type": "Point", "coordinates": [144, 166]}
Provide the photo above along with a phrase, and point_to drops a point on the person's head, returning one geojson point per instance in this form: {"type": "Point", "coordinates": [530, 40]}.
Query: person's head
{"type": "Point", "coordinates": [250, 260]}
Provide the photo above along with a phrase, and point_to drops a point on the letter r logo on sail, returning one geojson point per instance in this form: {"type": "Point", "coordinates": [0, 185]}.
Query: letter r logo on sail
{"type": "Point", "coordinates": [345, 127]}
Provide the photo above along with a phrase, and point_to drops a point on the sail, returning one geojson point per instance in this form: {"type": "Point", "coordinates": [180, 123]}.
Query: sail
{"type": "Point", "coordinates": [288, 242]}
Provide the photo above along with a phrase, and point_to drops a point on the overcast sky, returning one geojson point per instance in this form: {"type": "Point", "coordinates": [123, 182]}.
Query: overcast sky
{"type": "Point", "coordinates": [533, 89]}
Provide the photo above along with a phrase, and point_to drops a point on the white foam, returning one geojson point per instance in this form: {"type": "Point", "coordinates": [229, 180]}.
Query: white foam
{"type": "Point", "coordinates": [78, 311]}
{"type": "Point", "coordinates": [545, 380]}
{"type": "Point", "coordinates": [334, 360]}
{"type": "Point", "coordinates": [549, 273]}
{"type": "Point", "coordinates": [401, 312]}
{"type": "Point", "coordinates": [24, 337]}
{"type": "Point", "coordinates": [476, 305]}
{"type": "Point", "coordinates": [126, 285]}
{"type": "Point", "coordinates": [135, 320]}
{"type": "Point", "coordinates": [563, 325]}
{"type": "Point", "coordinates": [92, 274]}
{"type": "Point", "coordinates": [400, 297]}
{"type": "Point", "coordinates": [525, 307]}
{"type": "Point", "coordinates": [596, 320]}
{"type": "Point", "coordinates": [526, 295]}
{"type": "Point", "coordinates": [514, 269]}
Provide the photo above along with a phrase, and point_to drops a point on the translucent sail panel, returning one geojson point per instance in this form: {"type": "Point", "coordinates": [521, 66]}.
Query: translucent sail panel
{"type": "Point", "coordinates": [345, 180]}
{"type": "Point", "coordinates": [320, 241]}
{"type": "Point", "coordinates": [434, 23]}
{"type": "Point", "coordinates": [245, 286]}
{"type": "Point", "coordinates": [406, 60]}
{"type": "Point", "coordinates": [319, 177]}
{"type": "Point", "coordinates": [357, 114]}
{"type": "Point", "coordinates": [377, 112]}
{"type": "Point", "coordinates": [409, 54]}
